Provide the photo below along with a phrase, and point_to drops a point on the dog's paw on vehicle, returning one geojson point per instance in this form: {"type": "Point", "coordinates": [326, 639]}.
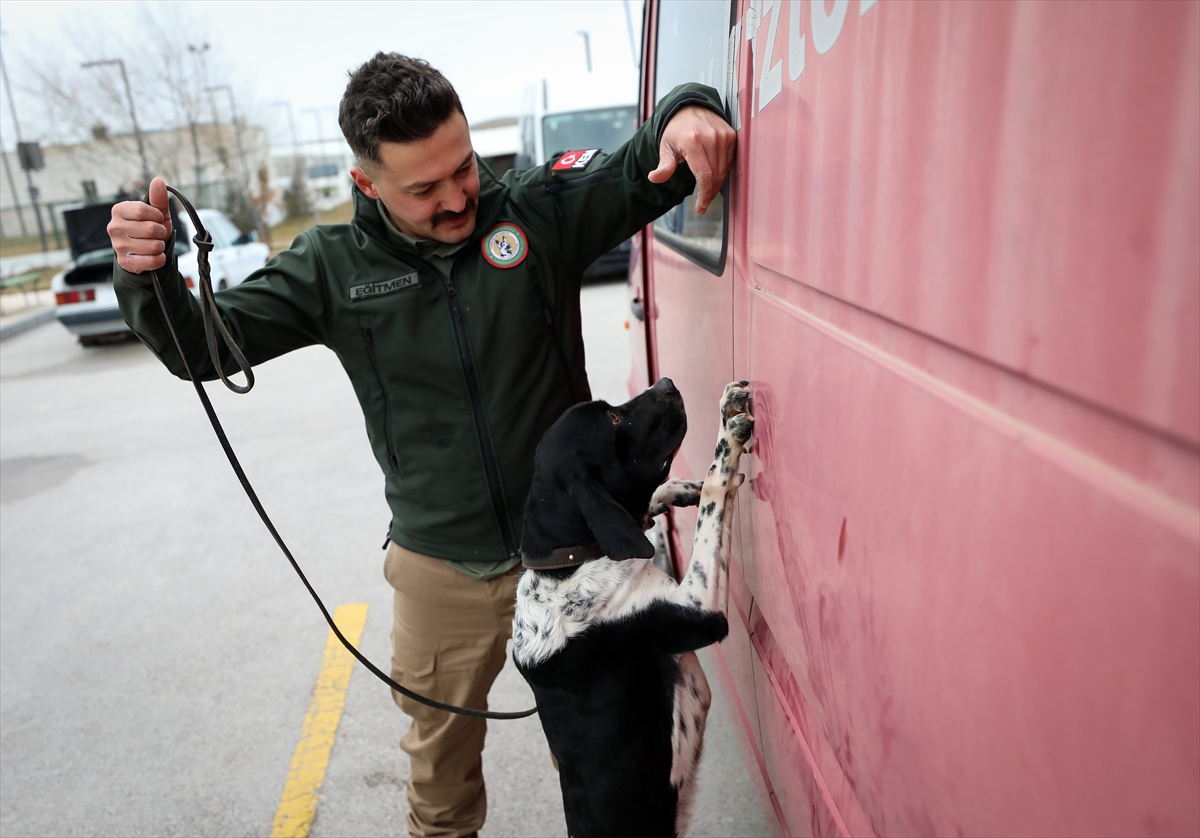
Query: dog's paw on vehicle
{"type": "Point", "coordinates": [607, 640]}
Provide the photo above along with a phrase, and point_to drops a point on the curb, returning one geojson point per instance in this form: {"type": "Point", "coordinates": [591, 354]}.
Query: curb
{"type": "Point", "coordinates": [24, 324]}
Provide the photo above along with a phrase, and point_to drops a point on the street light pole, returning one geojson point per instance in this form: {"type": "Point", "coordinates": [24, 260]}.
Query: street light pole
{"type": "Point", "coordinates": [291, 126]}
{"type": "Point", "coordinates": [245, 167]}
{"type": "Point", "coordinates": [637, 57]}
{"type": "Point", "coordinates": [12, 187]}
{"type": "Point", "coordinates": [587, 46]}
{"type": "Point", "coordinates": [237, 129]}
{"type": "Point", "coordinates": [12, 184]}
{"type": "Point", "coordinates": [33, 193]}
{"type": "Point", "coordinates": [299, 165]}
{"type": "Point", "coordinates": [199, 53]}
{"type": "Point", "coordinates": [316, 112]}
{"type": "Point", "coordinates": [137, 131]}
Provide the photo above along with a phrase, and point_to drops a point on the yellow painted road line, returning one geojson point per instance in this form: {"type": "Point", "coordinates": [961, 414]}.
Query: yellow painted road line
{"type": "Point", "coordinates": [298, 805]}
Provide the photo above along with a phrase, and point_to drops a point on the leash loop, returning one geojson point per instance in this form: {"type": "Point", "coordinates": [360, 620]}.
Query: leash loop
{"type": "Point", "coordinates": [213, 324]}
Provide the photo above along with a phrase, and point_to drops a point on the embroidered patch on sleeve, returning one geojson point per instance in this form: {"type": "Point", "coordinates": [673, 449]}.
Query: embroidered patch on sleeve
{"type": "Point", "coordinates": [505, 246]}
{"type": "Point", "coordinates": [575, 160]}
{"type": "Point", "coordinates": [386, 286]}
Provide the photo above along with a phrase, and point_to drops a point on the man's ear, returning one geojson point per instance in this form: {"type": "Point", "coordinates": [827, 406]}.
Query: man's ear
{"type": "Point", "coordinates": [364, 183]}
{"type": "Point", "coordinates": [619, 535]}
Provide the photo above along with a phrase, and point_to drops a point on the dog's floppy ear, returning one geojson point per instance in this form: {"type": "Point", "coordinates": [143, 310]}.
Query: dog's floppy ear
{"type": "Point", "coordinates": [619, 535]}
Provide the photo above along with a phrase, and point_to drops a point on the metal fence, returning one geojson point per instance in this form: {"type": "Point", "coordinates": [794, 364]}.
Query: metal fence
{"type": "Point", "coordinates": [19, 223]}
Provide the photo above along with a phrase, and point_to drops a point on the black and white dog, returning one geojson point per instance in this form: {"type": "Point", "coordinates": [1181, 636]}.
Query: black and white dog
{"type": "Point", "coordinates": [607, 641]}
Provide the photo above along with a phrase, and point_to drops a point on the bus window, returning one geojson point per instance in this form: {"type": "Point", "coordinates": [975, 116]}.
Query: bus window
{"type": "Point", "coordinates": [691, 48]}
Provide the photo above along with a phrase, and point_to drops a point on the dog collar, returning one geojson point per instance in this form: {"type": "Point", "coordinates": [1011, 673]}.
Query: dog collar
{"type": "Point", "coordinates": [564, 557]}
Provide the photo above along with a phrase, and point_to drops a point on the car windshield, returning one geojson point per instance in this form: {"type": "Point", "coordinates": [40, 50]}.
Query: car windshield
{"type": "Point", "coordinates": [95, 257]}
{"type": "Point", "coordinates": [607, 128]}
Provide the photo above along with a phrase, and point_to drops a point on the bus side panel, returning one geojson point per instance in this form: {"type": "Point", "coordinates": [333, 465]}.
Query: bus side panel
{"type": "Point", "coordinates": [987, 636]}
{"type": "Point", "coordinates": [973, 329]}
{"type": "Point", "coordinates": [1018, 180]}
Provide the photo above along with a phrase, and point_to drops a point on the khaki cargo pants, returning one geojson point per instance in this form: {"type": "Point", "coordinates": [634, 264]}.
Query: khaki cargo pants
{"type": "Point", "coordinates": [448, 643]}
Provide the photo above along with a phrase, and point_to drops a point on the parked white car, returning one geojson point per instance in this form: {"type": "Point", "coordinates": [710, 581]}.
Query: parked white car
{"type": "Point", "coordinates": [83, 293]}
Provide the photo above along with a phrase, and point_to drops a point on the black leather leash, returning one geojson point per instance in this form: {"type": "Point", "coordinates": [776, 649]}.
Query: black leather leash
{"type": "Point", "coordinates": [212, 325]}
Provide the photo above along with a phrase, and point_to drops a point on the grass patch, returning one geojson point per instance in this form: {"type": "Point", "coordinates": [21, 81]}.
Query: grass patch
{"type": "Point", "coordinates": [42, 283]}
{"type": "Point", "coordinates": [21, 245]}
{"type": "Point", "coordinates": [283, 233]}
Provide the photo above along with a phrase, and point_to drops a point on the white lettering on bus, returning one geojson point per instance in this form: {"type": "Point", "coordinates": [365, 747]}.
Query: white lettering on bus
{"type": "Point", "coordinates": [731, 76]}
{"type": "Point", "coordinates": [752, 20]}
{"type": "Point", "coordinates": [827, 27]}
{"type": "Point", "coordinates": [772, 77]}
{"type": "Point", "coordinates": [767, 78]}
{"type": "Point", "coordinates": [795, 41]}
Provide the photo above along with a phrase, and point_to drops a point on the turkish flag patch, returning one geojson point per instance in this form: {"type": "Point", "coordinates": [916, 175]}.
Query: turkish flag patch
{"type": "Point", "coordinates": [575, 160]}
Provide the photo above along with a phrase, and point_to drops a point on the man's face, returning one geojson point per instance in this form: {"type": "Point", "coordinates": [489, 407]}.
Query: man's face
{"type": "Point", "coordinates": [430, 187]}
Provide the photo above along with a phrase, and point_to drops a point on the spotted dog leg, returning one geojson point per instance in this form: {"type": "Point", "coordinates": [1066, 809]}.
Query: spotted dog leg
{"type": "Point", "coordinates": [674, 492]}
{"type": "Point", "coordinates": [702, 587]}
{"type": "Point", "coordinates": [705, 578]}
{"type": "Point", "coordinates": [693, 697]}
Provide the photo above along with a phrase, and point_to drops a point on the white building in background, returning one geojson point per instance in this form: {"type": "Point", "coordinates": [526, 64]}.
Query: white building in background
{"type": "Point", "coordinates": [204, 163]}
{"type": "Point", "coordinates": [327, 164]}
{"type": "Point", "coordinates": [205, 166]}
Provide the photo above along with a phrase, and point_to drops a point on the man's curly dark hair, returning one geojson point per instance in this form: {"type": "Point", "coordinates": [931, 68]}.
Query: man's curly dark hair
{"type": "Point", "coordinates": [393, 98]}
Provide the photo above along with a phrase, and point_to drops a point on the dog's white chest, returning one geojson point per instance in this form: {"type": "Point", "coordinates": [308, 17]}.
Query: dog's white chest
{"type": "Point", "coordinates": [550, 611]}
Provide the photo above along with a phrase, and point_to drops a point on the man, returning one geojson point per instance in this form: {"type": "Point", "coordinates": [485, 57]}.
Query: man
{"type": "Point", "coordinates": [452, 301]}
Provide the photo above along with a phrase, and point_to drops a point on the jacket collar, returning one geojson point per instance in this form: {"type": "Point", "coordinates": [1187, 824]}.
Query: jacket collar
{"type": "Point", "coordinates": [492, 196]}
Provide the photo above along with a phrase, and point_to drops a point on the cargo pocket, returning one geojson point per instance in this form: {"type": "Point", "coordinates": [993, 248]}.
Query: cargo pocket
{"type": "Point", "coordinates": [413, 666]}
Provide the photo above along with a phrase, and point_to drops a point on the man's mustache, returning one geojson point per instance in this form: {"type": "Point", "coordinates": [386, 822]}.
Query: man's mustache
{"type": "Point", "coordinates": [439, 217]}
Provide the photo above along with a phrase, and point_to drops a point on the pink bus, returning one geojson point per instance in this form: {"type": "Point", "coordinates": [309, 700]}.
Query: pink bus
{"type": "Point", "coordinates": [959, 259]}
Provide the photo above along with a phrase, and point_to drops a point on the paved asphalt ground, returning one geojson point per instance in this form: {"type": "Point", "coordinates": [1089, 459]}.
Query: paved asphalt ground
{"type": "Point", "coordinates": [157, 654]}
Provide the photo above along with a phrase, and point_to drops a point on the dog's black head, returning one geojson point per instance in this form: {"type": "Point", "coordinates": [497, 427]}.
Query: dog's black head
{"type": "Point", "coordinates": [595, 470]}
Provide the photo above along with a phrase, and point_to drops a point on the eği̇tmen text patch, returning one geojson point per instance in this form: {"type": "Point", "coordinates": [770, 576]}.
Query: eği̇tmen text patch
{"type": "Point", "coordinates": [386, 286]}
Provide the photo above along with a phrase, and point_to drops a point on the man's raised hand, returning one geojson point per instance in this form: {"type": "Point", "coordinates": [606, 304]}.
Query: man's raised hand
{"type": "Point", "coordinates": [704, 141]}
{"type": "Point", "coordinates": [140, 232]}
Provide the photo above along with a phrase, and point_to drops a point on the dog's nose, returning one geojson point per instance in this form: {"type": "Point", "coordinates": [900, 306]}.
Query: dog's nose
{"type": "Point", "coordinates": [665, 392]}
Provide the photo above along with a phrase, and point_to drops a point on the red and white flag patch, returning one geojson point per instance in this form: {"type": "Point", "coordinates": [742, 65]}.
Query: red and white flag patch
{"type": "Point", "coordinates": [575, 160]}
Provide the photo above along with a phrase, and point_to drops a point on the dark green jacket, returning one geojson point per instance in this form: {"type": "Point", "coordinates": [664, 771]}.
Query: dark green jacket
{"type": "Point", "coordinates": [458, 376]}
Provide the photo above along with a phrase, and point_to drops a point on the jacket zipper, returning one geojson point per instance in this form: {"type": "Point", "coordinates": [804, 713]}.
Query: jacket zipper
{"type": "Point", "coordinates": [490, 465]}
{"type": "Point", "coordinates": [598, 176]}
{"type": "Point", "coordinates": [369, 340]}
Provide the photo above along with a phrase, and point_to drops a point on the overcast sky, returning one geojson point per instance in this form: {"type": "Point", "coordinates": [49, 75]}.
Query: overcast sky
{"type": "Point", "coordinates": [300, 51]}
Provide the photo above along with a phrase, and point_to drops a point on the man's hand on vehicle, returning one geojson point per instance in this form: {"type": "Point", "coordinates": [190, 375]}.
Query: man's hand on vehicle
{"type": "Point", "coordinates": [140, 232]}
{"type": "Point", "coordinates": [702, 139]}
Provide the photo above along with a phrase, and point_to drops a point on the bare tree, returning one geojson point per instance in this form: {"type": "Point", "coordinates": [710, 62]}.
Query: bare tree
{"type": "Point", "coordinates": [169, 83]}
